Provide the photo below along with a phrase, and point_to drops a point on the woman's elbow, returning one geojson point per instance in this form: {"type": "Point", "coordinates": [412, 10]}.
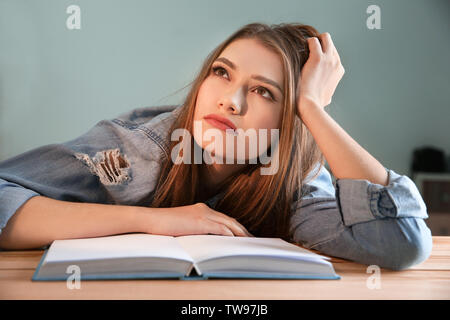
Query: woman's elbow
{"type": "Point", "coordinates": [415, 249]}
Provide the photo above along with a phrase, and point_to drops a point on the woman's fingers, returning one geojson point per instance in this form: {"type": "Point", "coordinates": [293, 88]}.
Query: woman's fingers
{"type": "Point", "coordinates": [212, 227]}
{"type": "Point", "coordinates": [237, 228]}
{"type": "Point", "coordinates": [329, 47]}
{"type": "Point", "coordinates": [315, 49]}
{"type": "Point", "coordinates": [327, 42]}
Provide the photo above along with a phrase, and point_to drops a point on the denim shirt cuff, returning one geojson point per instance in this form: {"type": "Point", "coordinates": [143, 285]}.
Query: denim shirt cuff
{"type": "Point", "coordinates": [361, 200]}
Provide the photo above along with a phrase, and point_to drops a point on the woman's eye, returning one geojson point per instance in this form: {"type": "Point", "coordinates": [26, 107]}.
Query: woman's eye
{"type": "Point", "coordinates": [265, 90]}
{"type": "Point", "coordinates": [220, 69]}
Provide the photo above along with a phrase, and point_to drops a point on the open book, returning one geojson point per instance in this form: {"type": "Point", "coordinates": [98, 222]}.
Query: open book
{"type": "Point", "coordinates": [141, 255]}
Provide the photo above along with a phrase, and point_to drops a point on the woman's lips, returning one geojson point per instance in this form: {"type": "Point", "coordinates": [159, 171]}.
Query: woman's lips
{"type": "Point", "coordinates": [218, 124]}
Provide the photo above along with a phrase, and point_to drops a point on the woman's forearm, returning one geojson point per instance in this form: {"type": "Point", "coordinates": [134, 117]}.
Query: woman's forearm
{"type": "Point", "coordinates": [346, 158]}
{"type": "Point", "coordinates": [41, 220]}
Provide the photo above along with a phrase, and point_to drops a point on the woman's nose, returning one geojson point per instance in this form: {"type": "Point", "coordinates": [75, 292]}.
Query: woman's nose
{"type": "Point", "coordinates": [233, 101]}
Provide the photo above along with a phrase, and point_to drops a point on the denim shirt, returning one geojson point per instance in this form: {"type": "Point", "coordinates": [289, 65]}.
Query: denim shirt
{"type": "Point", "coordinates": [118, 161]}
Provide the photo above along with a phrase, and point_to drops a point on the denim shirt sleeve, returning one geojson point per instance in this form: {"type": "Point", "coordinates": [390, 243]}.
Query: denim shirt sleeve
{"type": "Point", "coordinates": [76, 170]}
{"type": "Point", "coordinates": [362, 221]}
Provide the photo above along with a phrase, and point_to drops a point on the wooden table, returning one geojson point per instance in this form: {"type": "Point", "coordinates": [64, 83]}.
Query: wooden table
{"type": "Point", "coordinates": [429, 280]}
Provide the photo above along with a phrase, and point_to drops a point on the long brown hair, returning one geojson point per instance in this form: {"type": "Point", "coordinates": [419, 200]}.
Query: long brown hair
{"type": "Point", "coordinates": [262, 203]}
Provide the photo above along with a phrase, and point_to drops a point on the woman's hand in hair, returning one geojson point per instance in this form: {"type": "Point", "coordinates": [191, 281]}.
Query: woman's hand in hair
{"type": "Point", "coordinates": [321, 73]}
{"type": "Point", "coordinates": [195, 219]}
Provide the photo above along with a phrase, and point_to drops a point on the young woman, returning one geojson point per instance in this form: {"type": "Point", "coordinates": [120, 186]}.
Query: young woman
{"type": "Point", "coordinates": [121, 177]}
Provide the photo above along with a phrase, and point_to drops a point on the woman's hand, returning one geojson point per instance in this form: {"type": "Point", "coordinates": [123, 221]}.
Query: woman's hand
{"type": "Point", "coordinates": [320, 74]}
{"type": "Point", "coordinates": [194, 219]}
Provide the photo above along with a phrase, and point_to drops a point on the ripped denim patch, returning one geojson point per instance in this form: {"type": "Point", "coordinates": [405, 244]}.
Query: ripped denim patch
{"type": "Point", "coordinates": [109, 165]}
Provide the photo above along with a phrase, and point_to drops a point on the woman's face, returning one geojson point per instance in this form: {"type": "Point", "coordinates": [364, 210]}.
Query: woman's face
{"type": "Point", "coordinates": [236, 89]}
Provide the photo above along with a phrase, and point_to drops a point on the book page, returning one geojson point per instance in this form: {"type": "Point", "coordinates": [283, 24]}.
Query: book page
{"type": "Point", "coordinates": [118, 246]}
{"type": "Point", "coordinates": [204, 247]}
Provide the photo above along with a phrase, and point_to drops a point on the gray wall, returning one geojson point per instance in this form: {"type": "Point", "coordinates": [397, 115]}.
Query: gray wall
{"type": "Point", "coordinates": [57, 83]}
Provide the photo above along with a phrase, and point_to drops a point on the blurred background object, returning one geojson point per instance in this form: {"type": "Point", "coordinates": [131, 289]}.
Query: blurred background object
{"type": "Point", "coordinates": [430, 172]}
